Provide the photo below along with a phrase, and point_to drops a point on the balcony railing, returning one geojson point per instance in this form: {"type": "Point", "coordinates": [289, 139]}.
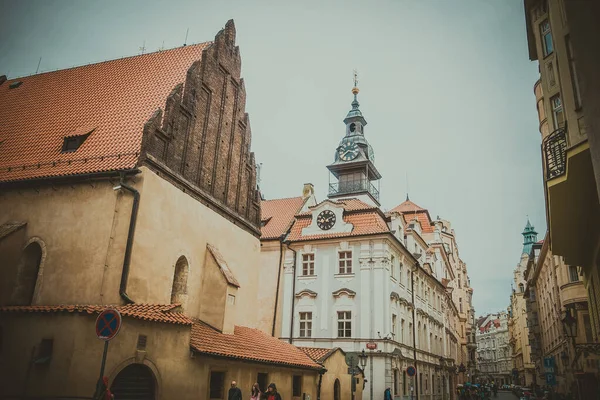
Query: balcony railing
{"type": "Point", "coordinates": [348, 187]}
{"type": "Point", "coordinates": [555, 153]}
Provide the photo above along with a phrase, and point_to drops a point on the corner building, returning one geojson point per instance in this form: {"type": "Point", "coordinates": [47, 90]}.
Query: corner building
{"type": "Point", "coordinates": [357, 278]}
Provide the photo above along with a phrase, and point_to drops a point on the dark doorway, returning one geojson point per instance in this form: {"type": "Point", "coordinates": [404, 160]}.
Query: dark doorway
{"type": "Point", "coordinates": [337, 391]}
{"type": "Point", "coordinates": [134, 382]}
{"type": "Point", "coordinates": [263, 381]}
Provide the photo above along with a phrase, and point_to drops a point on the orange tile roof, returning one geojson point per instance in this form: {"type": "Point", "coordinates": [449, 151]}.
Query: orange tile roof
{"type": "Point", "coordinates": [278, 215]}
{"type": "Point", "coordinates": [365, 223]}
{"type": "Point", "coordinates": [348, 204]}
{"type": "Point", "coordinates": [318, 354]}
{"type": "Point", "coordinates": [146, 312]}
{"type": "Point", "coordinates": [407, 206]}
{"type": "Point", "coordinates": [248, 344]}
{"type": "Point", "coordinates": [410, 210]}
{"type": "Point", "coordinates": [112, 98]}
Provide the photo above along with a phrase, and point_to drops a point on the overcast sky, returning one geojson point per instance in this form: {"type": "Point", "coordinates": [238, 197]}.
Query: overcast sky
{"type": "Point", "coordinates": [446, 89]}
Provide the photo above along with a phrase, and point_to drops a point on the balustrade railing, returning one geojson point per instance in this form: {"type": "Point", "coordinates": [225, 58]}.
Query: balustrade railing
{"type": "Point", "coordinates": [353, 186]}
{"type": "Point", "coordinates": [555, 153]}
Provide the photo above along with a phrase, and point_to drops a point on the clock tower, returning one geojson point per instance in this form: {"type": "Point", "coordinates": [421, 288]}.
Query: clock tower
{"type": "Point", "coordinates": [354, 163]}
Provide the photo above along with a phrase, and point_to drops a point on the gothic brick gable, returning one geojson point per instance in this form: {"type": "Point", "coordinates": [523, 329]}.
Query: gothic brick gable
{"type": "Point", "coordinates": [201, 142]}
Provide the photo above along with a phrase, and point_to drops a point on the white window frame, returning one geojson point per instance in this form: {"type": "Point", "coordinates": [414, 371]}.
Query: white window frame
{"type": "Point", "coordinates": [308, 264]}
{"type": "Point", "coordinates": [557, 109]}
{"type": "Point", "coordinates": [345, 262]}
{"type": "Point", "coordinates": [344, 318]}
{"type": "Point", "coordinates": [305, 319]}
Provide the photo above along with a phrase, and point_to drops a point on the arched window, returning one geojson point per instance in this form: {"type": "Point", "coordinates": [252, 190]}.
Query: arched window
{"type": "Point", "coordinates": [179, 289]}
{"type": "Point", "coordinates": [27, 274]}
{"type": "Point", "coordinates": [337, 392]}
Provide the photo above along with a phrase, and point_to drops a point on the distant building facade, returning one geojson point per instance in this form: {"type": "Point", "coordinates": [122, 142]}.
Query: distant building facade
{"type": "Point", "coordinates": [494, 353]}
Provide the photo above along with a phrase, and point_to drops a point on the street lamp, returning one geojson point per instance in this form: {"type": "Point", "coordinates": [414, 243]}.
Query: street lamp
{"type": "Point", "coordinates": [570, 324]}
{"type": "Point", "coordinates": [363, 359]}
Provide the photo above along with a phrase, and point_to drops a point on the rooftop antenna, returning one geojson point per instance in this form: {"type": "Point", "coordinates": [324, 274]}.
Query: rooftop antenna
{"type": "Point", "coordinates": [407, 199]}
{"type": "Point", "coordinates": [143, 48]}
{"type": "Point", "coordinates": [38, 67]}
{"type": "Point", "coordinates": [355, 78]}
{"type": "Point", "coordinates": [186, 36]}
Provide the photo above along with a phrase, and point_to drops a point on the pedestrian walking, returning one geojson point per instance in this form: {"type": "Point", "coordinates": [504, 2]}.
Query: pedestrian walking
{"type": "Point", "coordinates": [234, 392]}
{"type": "Point", "coordinates": [255, 392]}
{"type": "Point", "coordinates": [271, 393]}
{"type": "Point", "coordinates": [387, 395]}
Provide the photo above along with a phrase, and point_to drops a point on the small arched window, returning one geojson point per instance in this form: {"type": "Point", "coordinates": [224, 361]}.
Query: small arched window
{"type": "Point", "coordinates": [521, 288]}
{"type": "Point", "coordinates": [27, 274]}
{"type": "Point", "coordinates": [179, 289]}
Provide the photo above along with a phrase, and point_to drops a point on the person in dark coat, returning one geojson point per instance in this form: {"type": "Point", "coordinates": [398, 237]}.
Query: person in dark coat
{"type": "Point", "coordinates": [387, 395]}
{"type": "Point", "coordinates": [271, 393]}
{"type": "Point", "coordinates": [234, 393]}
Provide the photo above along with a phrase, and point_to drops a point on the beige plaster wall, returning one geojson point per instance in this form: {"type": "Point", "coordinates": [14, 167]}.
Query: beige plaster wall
{"type": "Point", "coordinates": [77, 353]}
{"type": "Point", "coordinates": [246, 374]}
{"type": "Point", "coordinates": [337, 369]}
{"type": "Point", "coordinates": [83, 229]}
{"type": "Point", "coordinates": [267, 279]}
{"type": "Point", "coordinates": [171, 224]}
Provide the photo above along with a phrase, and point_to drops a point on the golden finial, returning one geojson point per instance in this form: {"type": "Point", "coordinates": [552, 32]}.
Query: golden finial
{"type": "Point", "coordinates": [355, 88]}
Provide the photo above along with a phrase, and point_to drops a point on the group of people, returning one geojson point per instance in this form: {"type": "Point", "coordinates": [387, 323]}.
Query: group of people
{"type": "Point", "coordinates": [235, 393]}
{"type": "Point", "coordinates": [477, 392]}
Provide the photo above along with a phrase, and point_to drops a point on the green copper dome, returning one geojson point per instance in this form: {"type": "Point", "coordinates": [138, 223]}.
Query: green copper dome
{"type": "Point", "coordinates": [529, 237]}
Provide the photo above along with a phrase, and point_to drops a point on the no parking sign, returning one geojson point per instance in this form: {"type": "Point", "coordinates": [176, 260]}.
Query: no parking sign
{"type": "Point", "coordinates": [108, 324]}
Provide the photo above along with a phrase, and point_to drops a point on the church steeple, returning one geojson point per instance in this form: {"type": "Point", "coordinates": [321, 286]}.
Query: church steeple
{"type": "Point", "coordinates": [529, 237]}
{"type": "Point", "coordinates": [354, 161]}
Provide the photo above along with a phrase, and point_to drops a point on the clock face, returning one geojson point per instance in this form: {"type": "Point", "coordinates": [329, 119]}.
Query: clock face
{"type": "Point", "coordinates": [348, 151]}
{"type": "Point", "coordinates": [326, 220]}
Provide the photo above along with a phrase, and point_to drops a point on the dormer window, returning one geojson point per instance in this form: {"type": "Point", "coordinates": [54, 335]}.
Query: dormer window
{"type": "Point", "coordinates": [73, 142]}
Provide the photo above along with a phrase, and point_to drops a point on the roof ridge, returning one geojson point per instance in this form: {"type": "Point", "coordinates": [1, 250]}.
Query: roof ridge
{"type": "Point", "coordinates": [107, 61]}
{"type": "Point", "coordinates": [284, 198]}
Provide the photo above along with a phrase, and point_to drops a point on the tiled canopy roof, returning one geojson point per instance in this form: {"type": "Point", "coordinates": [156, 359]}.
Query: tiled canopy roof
{"type": "Point", "coordinates": [10, 227]}
{"type": "Point", "coordinates": [111, 99]}
{"type": "Point", "coordinates": [277, 215]}
{"type": "Point", "coordinates": [407, 206]}
{"type": "Point", "coordinates": [318, 354]}
{"type": "Point", "coordinates": [146, 312]}
{"type": "Point", "coordinates": [248, 344]}
{"type": "Point", "coordinates": [225, 270]}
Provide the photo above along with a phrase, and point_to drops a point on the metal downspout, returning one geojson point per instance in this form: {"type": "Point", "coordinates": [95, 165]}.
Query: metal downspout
{"type": "Point", "coordinates": [130, 234]}
{"type": "Point", "coordinates": [412, 285]}
{"type": "Point", "coordinates": [287, 243]}
{"type": "Point", "coordinates": [278, 282]}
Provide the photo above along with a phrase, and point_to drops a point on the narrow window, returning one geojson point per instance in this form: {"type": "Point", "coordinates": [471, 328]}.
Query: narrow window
{"type": "Point", "coordinates": [557, 111]}
{"type": "Point", "coordinates": [217, 385]}
{"type": "Point", "coordinates": [410, 333]}
{"type": "Point", "coordinates": [400, 273]}
{"type": "Point", "coordinates": [393, 266]}
{"type": "Point", "coordinates": [460, 304]}
{"type": "Point", "coordinates": [44, 352]}
{"type": "Point", "coordinates": [404, 383]}
{"type": "Point", "coordinates": [574, 80]}
{"type": "Point", "coordinates": [547, 44]}
{"type": "Point", "coordinates": [573, 273]}
{"type": "Point", "coordinates": [394, 323]}
{"type": "Point", "coordinates": [402, 331]}
{"type": "Point", "coordinates": [345, 262]}
{"type": "Point", "coordinates": [141, 342]}
{"type": "Point", "coordinates": [179, 288]}
{"type": "Point", "coordinates": [305, 324]}
{"type": "Point", "coordinates": [297, 386]}
{"type": "Point", "coordinates": [396, 383]}
{"type": "Point", "coordinates": [308, 264]}
{"type": "Point", "coordinates": [230, 299]}
{"type": "Point", "coordinates": [27, 274]}
{"type": "Point", "coordinates": [344, 324]}
{"type": "Point", "coordinates": [459, 285]}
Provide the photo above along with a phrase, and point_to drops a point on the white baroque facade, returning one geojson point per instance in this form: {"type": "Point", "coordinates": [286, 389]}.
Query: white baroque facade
{"type": "Point", "coordinates": [355, 277]}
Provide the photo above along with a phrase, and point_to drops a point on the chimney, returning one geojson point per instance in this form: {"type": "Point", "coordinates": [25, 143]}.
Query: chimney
{"type": "Point", "coordinates": [2, 79]}
{"type": "Point", "coordinates": [308, 190]}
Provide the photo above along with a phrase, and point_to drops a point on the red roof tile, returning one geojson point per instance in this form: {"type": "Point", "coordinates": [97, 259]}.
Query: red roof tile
{"type": "Point", "coordinates": [248, 344]}
{"type": "Point", "coordinates": [407, 206]}
{"type": "Point", "coordinates": [410, 210]}
{"type": "Point", "coordinates": [366, 223]}
{"type": "Point", "coordinates": [112, 98]}
{"type": "Point", "coordinates": [348, 204]}
{"type": "Point", "coordinates": [277, 215]}
{"type": "Point", "coordinates": [318, 354]}
{"type": "Point", "coordinates": [146, 312]}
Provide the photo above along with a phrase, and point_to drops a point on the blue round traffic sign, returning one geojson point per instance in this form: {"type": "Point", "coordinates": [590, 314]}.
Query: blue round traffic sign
{"type": "Point", "coordinates": [108, 324]}
{"type": "Point", "coordinates": [411, 371]}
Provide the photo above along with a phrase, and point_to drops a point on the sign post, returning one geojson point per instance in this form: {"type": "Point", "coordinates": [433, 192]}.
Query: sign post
{"type": "Point", "coordinates": [108, 325]}
{"type": "Point", "coordinates": [411, 371]}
